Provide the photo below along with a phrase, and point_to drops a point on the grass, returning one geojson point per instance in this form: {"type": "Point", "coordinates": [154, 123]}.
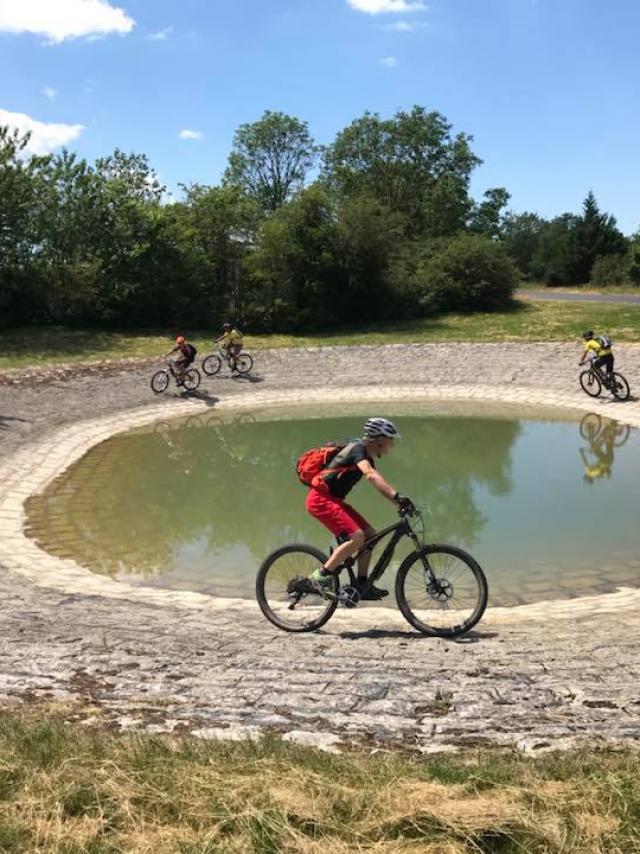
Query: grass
{"type": "Point", "coordinates": [525, 321]}
{"type": "Point", "coordinates": [66, 789]}
{"type": "Point", "coordinates": [586, 288]}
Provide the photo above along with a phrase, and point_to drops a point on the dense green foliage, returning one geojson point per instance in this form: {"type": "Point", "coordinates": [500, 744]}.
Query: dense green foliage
{"type": "Point", "coordinates": [386, 230]}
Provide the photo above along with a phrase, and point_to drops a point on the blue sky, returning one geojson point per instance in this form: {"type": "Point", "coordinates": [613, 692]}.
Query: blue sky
{"type": "Point", "coordinates": [548, 88]}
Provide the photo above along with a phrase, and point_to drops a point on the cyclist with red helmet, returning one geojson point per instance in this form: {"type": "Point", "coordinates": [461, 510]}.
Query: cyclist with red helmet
{"type": "Point", "coordinates": [325, 502]}
{"type": "Point", "coordinates": [187, 355]}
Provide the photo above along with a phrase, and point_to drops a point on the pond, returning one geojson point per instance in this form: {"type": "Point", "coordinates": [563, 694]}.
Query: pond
{"type": "Point", "coordinates": [546, 502]}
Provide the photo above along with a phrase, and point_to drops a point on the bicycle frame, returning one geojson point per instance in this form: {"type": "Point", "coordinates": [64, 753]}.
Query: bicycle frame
{"type": "Point", "coordinates": [399, 529]}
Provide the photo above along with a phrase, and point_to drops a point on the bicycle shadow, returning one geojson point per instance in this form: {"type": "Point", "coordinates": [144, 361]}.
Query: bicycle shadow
{"type": "Point", "coordinates": [5, 419]}
{"type": "Point", "coordinates": [247, 378]}
{"type": "Point", "coordinates": [203, 396]}
{"type": "Point", "coordinates": [377, 634]}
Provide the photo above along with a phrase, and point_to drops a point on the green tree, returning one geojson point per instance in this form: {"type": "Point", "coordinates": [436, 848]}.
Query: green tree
{"type": "Point", "coordinates": [20, 296]}
{"type": "Point", "coordinates": [215, 229]}
{"type": "Point", "coordinates": [556, 257]}
{"type": "Point", "coordinates": [271, 159]}
{"type": "Point", "coordinates": [467, 272]}
{"type": "Point", "coordinates": [520, 235]}
{"type": "Point", "coordinates": [596, 234]}
{"type": "Point", "coordinates": [371, 236]}
{"type": "Point", "coordinates": [486, 218]}
{"type": "Point", "coordinates": [411, 164]}
{"type": "Point", "coordinates": [295, 270]}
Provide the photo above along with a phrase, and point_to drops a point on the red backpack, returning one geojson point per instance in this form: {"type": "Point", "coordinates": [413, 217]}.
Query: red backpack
{"type": "Point", "coordinates": [314, 462]}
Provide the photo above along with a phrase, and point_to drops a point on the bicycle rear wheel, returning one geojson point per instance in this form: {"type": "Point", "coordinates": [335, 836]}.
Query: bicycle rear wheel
{"type": "Point", "coordinates": [191, 379]}
{"type": "Point", "coordinates": [448, 598]}
{"type": "Point", "coordinates": [244, 363]}
{"type": "Point", "coordinates": [160, 381]}
{"type": "Point", "coordinates": [284, 597]}
{"type": "Point", "coordinates": [211, 365]}
{"type": "Point", "coordinates": [590, 383]}
{"type": "Point", "coordinates": [619, 387]}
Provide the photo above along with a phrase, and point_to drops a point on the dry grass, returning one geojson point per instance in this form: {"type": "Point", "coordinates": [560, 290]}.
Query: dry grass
{"type": "Point", "coordinates": [525, 321]}
{"type": "Point", "coordinates": [66, 789]}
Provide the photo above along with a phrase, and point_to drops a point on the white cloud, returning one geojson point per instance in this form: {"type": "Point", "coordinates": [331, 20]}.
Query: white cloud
{"type": "Point", "coordinates": [389, 61]}
{"type": "Point", "coordinates": [49, 92]}
{"type": "Point", "coordinates": [401, 27]}
{"type": "Point", "coordinates": [160, 35]}
{"type": "Point", "coordinates": [376, 7]}
{"type": "Point", "coordinates": [63, 19]}
{"type": "Point", "coordinates": [190, 134]}
{"type": "Point", "coordinates": [44, 137]}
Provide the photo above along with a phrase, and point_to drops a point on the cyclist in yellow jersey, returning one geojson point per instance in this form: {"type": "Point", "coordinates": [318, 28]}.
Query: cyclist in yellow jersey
{"type": "Point", "coordinates": [231, 341]}
{"type": "Point", "coordinates": [602, 465]}
{"type": "Point", "coordinates": [598, 347]}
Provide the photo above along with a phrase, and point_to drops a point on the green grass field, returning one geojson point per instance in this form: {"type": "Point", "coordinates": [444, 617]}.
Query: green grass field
{"type": "Point", "coordinates": [526, 321]}
{"type": "Point", "coordinates": [71, 789]}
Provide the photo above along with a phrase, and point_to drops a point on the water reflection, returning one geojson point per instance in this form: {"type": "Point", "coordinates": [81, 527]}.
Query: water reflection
{"type": "Point", "coordinates": [602, 436]}
{"type": "Point", "coordinates": [198, 503]}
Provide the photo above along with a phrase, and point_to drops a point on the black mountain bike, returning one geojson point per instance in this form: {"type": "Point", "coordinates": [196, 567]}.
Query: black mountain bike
{"type": "Point", "coordinates": [242, 363]}
{"type": "Point", "coordinates": [594, 379]}
{"type": "Point", "coordinates": [160, 380]}
{"type": "Point", "coordinates": [441, 590]}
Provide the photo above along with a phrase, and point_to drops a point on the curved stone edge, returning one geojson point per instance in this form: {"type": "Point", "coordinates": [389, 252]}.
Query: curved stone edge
{"type": "Point", "coordinates": [34, 466]}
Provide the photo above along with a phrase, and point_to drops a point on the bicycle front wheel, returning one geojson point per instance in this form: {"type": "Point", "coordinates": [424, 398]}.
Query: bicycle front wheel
{"type": "Point", "coordinates": [285, 597]}
{"type": "Point", "coordinates": [244, 363]}
{"type": "Point", "coordinates": [619, 387]}
{"type": "Point", "coordinates": [590, 426]}
{"type": "Point", "coordinates": [211, 365]}
{"type": "Point", "coordinates": [191, 379]}
{"type": "Point", "coordinates": [590, 383]}
{"type": "Point", "coordinates": [441, 590]}
{"type": "Point", "coordinates": [160, 381]}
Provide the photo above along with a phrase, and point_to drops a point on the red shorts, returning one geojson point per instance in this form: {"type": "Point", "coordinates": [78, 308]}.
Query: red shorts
{"type": "Point", "coordinates": [335, 514]}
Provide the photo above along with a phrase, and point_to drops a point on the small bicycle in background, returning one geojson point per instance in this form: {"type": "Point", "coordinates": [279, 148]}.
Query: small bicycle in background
{"type": "Point", "coordinates": [160, 380]}
{"type": "Point", "coordinates": [440, 590]}
{"type": "Point", "coordinates": [242, 363]}
{"type": "Point", "coordinates": [594, 379]}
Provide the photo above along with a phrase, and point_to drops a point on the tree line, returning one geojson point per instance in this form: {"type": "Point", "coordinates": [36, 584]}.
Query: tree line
{"type": "Point", "coordinates": [379, 224]}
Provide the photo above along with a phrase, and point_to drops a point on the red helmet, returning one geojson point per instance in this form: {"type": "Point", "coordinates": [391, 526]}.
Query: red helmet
{"type": "Point", "coordinates": [180, 339]}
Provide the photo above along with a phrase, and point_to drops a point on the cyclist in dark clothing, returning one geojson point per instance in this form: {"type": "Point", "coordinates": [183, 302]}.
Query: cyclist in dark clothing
{"type": "Point", "coordinates": [187, 355]}
{"type": "Point", "coordinates": [325, 501]}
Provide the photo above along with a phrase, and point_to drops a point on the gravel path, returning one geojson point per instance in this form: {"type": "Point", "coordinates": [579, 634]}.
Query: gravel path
{"type": "Point", "coordinates": [548, 678]}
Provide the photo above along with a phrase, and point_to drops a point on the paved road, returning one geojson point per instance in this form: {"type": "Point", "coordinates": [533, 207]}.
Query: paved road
{"type": "Point", "coordinates": [573, 297]}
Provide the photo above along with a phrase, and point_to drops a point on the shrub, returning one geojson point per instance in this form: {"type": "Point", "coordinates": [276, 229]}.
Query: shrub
{"type": "Point", "coordinates": [468, 273]}
{"type": "Point", "coordinates": [610, 270]}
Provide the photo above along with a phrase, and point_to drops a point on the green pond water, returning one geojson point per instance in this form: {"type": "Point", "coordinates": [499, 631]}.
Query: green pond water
{"type": "Point", "coordinates": [548, 507]}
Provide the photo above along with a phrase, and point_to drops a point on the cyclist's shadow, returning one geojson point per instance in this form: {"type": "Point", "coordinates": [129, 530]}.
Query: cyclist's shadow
{"type": "Point", "coordinates": [376, 634]}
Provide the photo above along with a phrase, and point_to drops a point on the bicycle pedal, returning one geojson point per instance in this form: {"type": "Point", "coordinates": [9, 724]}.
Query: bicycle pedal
{"type": "Point", "coordinates": [349, 597]}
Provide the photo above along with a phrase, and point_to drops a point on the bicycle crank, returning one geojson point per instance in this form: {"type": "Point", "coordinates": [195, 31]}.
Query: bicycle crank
{"type": "Point", "coordinates": [348, 597]}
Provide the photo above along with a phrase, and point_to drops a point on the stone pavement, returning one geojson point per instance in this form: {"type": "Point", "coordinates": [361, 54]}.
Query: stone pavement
{"type": "Point", "coordinates": [548, 675]}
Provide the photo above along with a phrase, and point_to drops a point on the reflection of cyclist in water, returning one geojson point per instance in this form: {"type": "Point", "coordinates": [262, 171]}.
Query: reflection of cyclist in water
{"type": "Point", "coordinates": [598, 458]}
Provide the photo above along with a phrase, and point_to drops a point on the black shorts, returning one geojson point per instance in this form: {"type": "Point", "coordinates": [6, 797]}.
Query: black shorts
{"type": "Point", "coordinates": [604, 361]}
{"type": "Point", "coordinates": [184, 361]}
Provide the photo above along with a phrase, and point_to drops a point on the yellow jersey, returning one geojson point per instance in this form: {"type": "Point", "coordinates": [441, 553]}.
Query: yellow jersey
{"type": "Point", "coordinates": [598, 349]}
{"type": "Point", "coordinates": [231, 337]}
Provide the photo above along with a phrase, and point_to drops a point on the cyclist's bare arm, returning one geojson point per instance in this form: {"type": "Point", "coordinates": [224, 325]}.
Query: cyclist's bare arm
{"type": "Point", "coordinates": [376, 480]}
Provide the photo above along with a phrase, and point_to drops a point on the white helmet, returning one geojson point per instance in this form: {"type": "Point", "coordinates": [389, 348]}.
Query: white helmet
{"type": "Point", "coordinates": [379, 428]}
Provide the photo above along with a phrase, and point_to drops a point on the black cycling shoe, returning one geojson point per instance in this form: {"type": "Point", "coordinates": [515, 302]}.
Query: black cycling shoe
{"type": "Point", "coordinates": [369, 592]}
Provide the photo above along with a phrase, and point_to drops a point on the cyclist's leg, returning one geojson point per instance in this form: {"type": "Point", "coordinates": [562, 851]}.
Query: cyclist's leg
{"type": "Point", "coordinates": [331, 513]}
{"type": "Point", "coordinates": [599, 363]}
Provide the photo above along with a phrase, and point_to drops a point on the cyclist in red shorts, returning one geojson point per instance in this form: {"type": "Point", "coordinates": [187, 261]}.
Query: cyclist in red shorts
{"type": "Point", "coordinates": [325, 501]}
